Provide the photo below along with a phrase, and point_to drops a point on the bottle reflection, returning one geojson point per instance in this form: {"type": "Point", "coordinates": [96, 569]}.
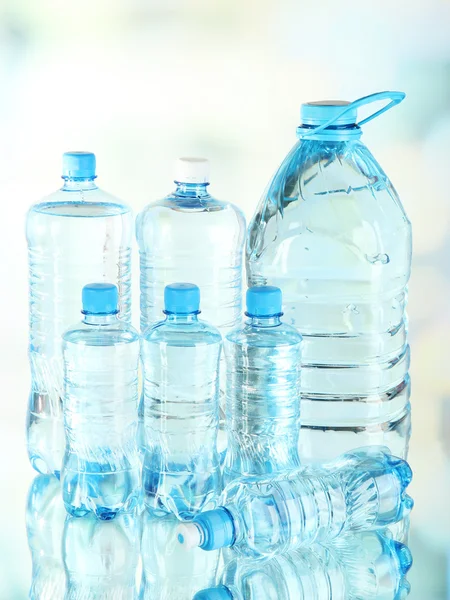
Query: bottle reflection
{"type": "Point", "coordinates": [45, 517]}
{"type": "Point", "coordinates": [369, 565]}
{"type": "Point", "coordinates": [101, 557]}
{"type": "Point", "coordinates": [168, 571]}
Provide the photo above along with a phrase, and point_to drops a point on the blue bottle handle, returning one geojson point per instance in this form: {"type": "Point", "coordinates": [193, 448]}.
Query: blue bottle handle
{"type": "Point", "coordinates": [394, 97]}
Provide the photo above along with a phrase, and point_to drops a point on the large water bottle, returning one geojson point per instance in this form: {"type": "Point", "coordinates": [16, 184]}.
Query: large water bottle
{"type": "Point", "coordinates": [101, 558]}
{"type": "Point", "coordinates": [369, 566]}
{"type": "Point", "coordinates": [45, 519]}
{"type": "Point", "coordinates": [261, 517]}
{"type": "Point", "coordinates": [181, 466]}
{"type": "Point", "coordinates": [101, 467]}
{"type": "Point", "coordinates": [331, 232]}
{"type": "Point", "coordinates": [263, 390]}
{"type": "Point", "coordinates": [168, 572]}
{"type": "Point", "coordinates": [77, 234]}
{"type": "Point", "coordinates": [191, 236]}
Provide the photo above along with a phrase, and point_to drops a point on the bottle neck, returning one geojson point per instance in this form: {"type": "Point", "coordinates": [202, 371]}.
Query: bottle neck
{"type": "Point", "coordinates": [99, 320]}
{"type": "Point", "coordinates": [191, 190]}
{"type": "Point", "coordinates": [179, 318]}
{"type": "Point", "coordinates": [79, 184]}
{"type": "Point", "coordinates": [272, 321]}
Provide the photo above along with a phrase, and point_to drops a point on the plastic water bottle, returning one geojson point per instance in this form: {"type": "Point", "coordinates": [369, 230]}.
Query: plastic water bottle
{"type": "Point", "coordinates": [181, 466]}
{"type": "Point", "coordinates": [101, 468]}
{"type": "Point", "coordinates": [45, 523]}
{"type": "Point", "coordinates": [261, 517]}
{"type": "Point", "coordinates": [101, 558]}
{"type": "Point", "coordinates": [168, 572]}
{"type": "Point", "coordinates": [263, 389]}
{"type": "Point", "coordinates": [191, 236]}
{"type": "Point", "coordinates": [75, 235]}
{"type": "Point", "coordinates": [331, 232]}
{"type": "Point", "coordinates": [369, 566]}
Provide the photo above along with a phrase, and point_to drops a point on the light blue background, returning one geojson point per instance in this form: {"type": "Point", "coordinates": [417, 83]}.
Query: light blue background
{"type": "Point", "coordinates": [141, 82]}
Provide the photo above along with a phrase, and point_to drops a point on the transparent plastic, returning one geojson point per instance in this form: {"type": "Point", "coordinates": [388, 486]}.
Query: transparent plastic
{"type": "Point", "coordinates": [168, 572]}
{"type": "Point", "coordinates": [191, 236]}
{"type": "Point", "coordinates": [263, 398]}
{"type": "Point", "coordinates": [101, 558]}
{"type": "Point", "coordinates": [331, 232]}
{"type": "Point", "coordinates": [101, 468]}
{"type": "Point", "coordinates": [45, 519]}
{"type": "Point", "coordinates": [181, 464]}
{"type": "Point", "coordinates": [364, 566]}
{"type": "Point", "coordinates": [262, 516]}
{"type": "Point", "coordinates": [76, 235]}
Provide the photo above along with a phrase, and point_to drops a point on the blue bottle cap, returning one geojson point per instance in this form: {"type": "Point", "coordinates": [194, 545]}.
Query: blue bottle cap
{"type": "Point", "coordinates": [218, 529]}
{"type": "Point", "coordinates": [318, 113]}
{"type": "Point", "coordinates": [264, 301]}
{"type": "Point", "coordinates": [182, 298]}
{"type": "Point", "coordinates": [214, 593]}
{"type": "Point", "coordinates": [100, 299]}
{"type": "Point", "coordinates": [78, 165]}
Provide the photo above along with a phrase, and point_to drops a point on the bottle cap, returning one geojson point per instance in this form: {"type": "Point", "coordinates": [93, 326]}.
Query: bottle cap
{"type": "Point", "coordinates": [182, 298]}
{"type": "Point", "coordinates": [318, 113]}
{"type": "Point", "coordinates": [78, 165]}
{"type": "Point", "coordinates": [214, 593]}
{"type": "Point", "coordinates": [264, 301]}
{"type": "Point", "coordinates": [210, 530]}
{"type": "Point", "coordinates": [100, 299]}
{"type": "Point", "coordinates": [189, 169]}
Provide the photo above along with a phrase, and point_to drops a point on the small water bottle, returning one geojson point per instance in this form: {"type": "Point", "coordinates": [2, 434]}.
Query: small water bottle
{"type": "Point", "coordinates": [45, 519]}
{"type": "Point", "coordinates": [330, 230]}
{"type": "Point", "coordinates": [263, 390]}
{"type": "Point", "coordinates": [101, 557]}
{"type": "Point", "coordinates": [263, 516]}
{"type": "Point", "coordinates": [101, 468]}
{"type": "Point", "coordinates": [369, 566]}
{"type": "Point", "coordinates": [181, 466]}
{"type": "Point", "coordinates": [77, 234]}
{"type": "Point", "coordinates": [168, 572]}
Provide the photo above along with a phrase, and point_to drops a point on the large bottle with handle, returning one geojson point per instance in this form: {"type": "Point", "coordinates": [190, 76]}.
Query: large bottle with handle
{"type": "Point", "coordinates": [331, 232]}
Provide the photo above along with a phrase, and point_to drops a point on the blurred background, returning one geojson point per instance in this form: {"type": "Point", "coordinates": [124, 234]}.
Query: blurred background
{"type": "Point", "coordinates": [140, 82]}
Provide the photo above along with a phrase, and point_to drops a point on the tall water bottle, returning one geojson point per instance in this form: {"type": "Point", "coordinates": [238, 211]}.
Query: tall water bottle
{"type": "Point", "coordinates": [45, 519]}
{"type": "Point", "coordinates": [181, 466]}
{"type": "Point", "coordinates": [101, 557]}
{"type": "Point", "coordinates": [168, 572]}
{"type": "Point", "coordinates": [77, 234]}
{"type": "Point", "coordinates": [101, 467]}
{"type": "Point", "coordinates": [263, 389]}
{"type": "Point", "coordinates": [369, 566]}
{"type": "Point", "coordinates": [263, 516]}
{"type": "Point", "coordinates": [331, 232]}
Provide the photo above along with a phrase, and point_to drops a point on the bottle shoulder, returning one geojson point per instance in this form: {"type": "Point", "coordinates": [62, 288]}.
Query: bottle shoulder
{"type": "Point", "coordinates": [254, 335]}
{"type": "Point", "coordinates": [182, 334]}
{"type": "Point", "coordinates": [172, 205]}
{"type": "Point", "coordinates": [330, 176]}
{"type": "Point", "coordinates": [112, 334]}
{"type": "Point", "coordinates": [93, 202]}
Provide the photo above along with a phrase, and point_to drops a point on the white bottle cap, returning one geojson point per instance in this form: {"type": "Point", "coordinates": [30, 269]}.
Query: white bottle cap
{"type": "Point", "coordinates": [189, 169]}
{"type": "Point", "coordinates": [188, 535]}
